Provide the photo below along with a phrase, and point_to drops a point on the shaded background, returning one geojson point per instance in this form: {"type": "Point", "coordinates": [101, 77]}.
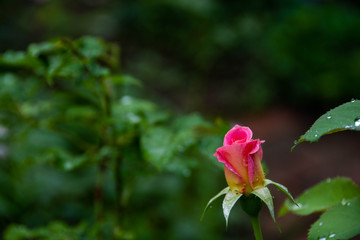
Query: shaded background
{"type": "Point", "coordinates": [272, 65]}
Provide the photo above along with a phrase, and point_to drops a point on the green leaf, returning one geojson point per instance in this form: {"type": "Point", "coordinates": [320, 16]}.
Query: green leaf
{"type": "Point", "coordinates": [229, 201]}
{"type": "Point", "coordinates": [97, 70]}
{"type": "Point", "coordinates": [323, 196]}
{"type": "Point", "coordinates": [35, 49]}
{"type": "Point", "coordinates": [207, 146]}
{"type": "Point", "coordinates": [190, 121]}
{"type": "Point", "coordinates": [264, 194]}
{"type": "Point", "coordinates": [64, 160]}
{"type": "Point", "coordinates": [90, 47]}
{"type": "Point", "coordinates": [155, 145]}
{"type": "Point", "coordinates": [124, 80]}
{"type": "Point", "coordinates": [339, 222]}
{"type": "Point", "coordinates": [281, 188]}
{"type": "Point", "coordinates": [222, 192]}
{"type": "Point", "coordinates": [19, 59]}
{"type": "Point", "coordinates": [53, 231]}
{"type": "Point", "coordinates": [343, 117]}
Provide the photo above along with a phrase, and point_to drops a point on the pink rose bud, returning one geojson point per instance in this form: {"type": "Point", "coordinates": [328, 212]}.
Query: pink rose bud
{"type": "Point", "coordinates": [242, 157]}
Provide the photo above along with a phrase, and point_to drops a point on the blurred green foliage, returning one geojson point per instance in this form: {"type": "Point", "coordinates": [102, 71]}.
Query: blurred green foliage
{"type": "Point", "coordinates": [212, 54]}
{"type": "Point", "coordinates": [67, 104]}
{"type": "Point", "coordinates": [84, 158]}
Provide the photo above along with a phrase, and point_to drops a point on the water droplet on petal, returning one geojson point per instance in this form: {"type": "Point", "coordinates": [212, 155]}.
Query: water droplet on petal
{"type": "Point", "coordinates": [320, 223]}
{"type": "Point", "coordinates": [357, 122]}
{"type": "Point", "coordinates": [332, 235]}
{"type": "Point", "coordinates": [329, 117]}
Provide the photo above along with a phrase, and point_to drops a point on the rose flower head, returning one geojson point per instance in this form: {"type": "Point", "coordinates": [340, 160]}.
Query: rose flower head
{"type": "Point", "coordinates": [242, 157]}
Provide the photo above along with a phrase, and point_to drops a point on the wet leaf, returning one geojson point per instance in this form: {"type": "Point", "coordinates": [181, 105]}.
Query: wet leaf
{"type": "Point", "coordinates": [323, 196]}
{"type": "Point", "coordinates": [339, 222]}
{"type": "Point", "coordinates": [341, 118]}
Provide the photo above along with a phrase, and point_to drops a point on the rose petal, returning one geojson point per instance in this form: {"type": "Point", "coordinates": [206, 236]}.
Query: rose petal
{"type": "Point", "coordinates": [234, 181]}
{"type": "Point", "coordinates": [237, 134]}
{"type": "Point", "coordinates": [238, 158]}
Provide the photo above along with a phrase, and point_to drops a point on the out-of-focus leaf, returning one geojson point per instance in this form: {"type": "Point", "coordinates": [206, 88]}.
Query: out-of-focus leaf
{"type": "Point", "coordinates": [71, 69]}
{"type": "Point", "coordinates": [81, 112]}
{"type": "Point", "coordinates": [19, 59]}
{"type": "Point", "coordinates": [35, 49]}
{"type": "Point", "coordinates": [79, 134]}
{"type": "Point", "coordinates": [155, 144]}
{"type": "Point", "coordinates": [338, 222]}
{"type": "Point", "coordinates": [90, 47]}
{"type": "Point", "coordinates": [322, 196]}
{"type": "Point", "coordinates": [54, 231]}
{"type": "Point", "coordinates": [55, 62]}
{"type": "Point", "coordinates": [343, 117]}
{"type": "Point", "coordinates": [181, 164]}
{"type": "Point", "coordinates": [208, 145]}
{"type": "Point", "coordinates": [97, 70]}
{"type": "Point", "coordinates": [124, 80]}
{"type": "Point", "coordinates": [64, 160]}
{"type": "Point", "coordinates": [190, 122]}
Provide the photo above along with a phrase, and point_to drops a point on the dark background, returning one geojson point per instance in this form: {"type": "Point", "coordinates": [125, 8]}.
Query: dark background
{"type": "Point", "coordinates": [272, 65]}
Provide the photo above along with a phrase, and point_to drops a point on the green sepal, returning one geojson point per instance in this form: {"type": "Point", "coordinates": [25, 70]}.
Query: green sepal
{"type": "Point", "coordinates": [229, 201]}
{"type": "Point", "coordinates": [281, 188]}
{"type": "Point", "coordinates": [222, 192]}
{"type": "Point", "coordinates": [264, 194]}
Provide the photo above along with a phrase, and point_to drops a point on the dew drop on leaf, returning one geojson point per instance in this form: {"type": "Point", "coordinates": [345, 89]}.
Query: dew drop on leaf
{"type": "Point", "coordinates": [320, 223]}
{"type": "Point", "coordinates": [332, 235]}
{"type": "Point", "coordinates": [357, 122]}
{"type": "Point", "coordinates": [322, 238]}
{"type": "Point", "coordinates": [329, 117]}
